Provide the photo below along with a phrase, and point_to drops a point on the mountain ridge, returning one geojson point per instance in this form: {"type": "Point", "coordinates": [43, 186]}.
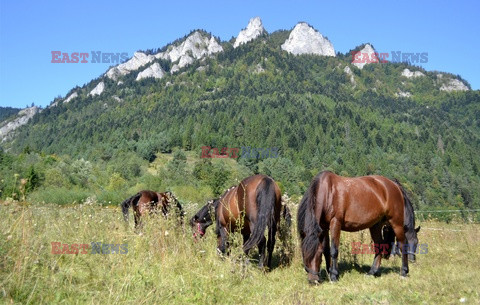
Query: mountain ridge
{"type": "Point", "coordinates": [193, 48]}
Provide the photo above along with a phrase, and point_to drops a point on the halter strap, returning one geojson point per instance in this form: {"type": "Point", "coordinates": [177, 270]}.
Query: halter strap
{"type": "Point", "coordinates": [199, 228]}
{"type": "Point", "coordinates": [199, 231]}
{"type": "Point", "coordinates": [311, 271]}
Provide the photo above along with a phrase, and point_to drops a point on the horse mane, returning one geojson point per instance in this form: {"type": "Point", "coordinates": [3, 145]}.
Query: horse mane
{"type": "Point", "coordinates": [409, 214]}
{"type": "Point", "coordinates": [307, 225]}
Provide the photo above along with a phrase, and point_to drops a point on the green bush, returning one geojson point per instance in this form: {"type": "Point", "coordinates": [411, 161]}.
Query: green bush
{"type": "Point", "coordinates": [58, 195]}
{"type": "Point", "coordinates": [112, 197]}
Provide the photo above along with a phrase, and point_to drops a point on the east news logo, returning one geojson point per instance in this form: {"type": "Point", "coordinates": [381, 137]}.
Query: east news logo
{"type": "Point", "coordinates": [97, 57]}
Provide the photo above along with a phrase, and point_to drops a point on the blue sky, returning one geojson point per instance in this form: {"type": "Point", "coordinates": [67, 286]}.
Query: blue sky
{"type": "Point", "coordinates": [29, 30]}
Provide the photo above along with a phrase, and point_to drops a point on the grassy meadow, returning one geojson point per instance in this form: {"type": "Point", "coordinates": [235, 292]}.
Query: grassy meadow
{"type": "Point", "coordinates": [165, 266]}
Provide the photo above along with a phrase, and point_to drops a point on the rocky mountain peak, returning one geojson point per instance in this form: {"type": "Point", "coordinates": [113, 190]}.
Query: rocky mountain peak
{"type": "Point", "coordinates": [254, 29]}
{"type": "Point", "coordinates": [197, 45]}
{"type": "Point", "coordinates": [304, 39]}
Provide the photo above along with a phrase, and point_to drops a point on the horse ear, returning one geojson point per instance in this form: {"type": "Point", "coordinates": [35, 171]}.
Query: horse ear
{"type": "Point", "coordinates": [417, 229]}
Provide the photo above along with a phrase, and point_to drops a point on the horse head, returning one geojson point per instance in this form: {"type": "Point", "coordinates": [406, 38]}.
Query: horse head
{"type": "Point", "coordinates": [412, 242]}
{"type": "Point", "coordinates": [203, 218]}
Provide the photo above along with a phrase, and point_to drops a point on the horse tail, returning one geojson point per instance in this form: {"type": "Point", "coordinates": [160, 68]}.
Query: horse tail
{"type": "Point", "coordinates": [307, 225]}
{"type": "Point", "coordinates": [266, 198]}
{"type": "Point", "coordinates": [128, 203]}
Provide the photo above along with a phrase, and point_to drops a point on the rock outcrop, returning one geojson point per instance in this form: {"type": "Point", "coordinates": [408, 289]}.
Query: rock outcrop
{"type": "Point", "coordinates": [98, 89]}
{"type": "Point", "coordinates": [139, 59]}
{"type": "Point", "coordinates": [22, 118]}
{"type": "Point", "coordinates": [71, 97]}
{"type": "Point", "coordinates": [195, 46]}
{"type": "Point", "coordinates": [403, 94]}
{"type": "Point", "coordinates": [454, 84]}
{"type": "Point", "coordinates": [409, 74]}
{"type": "Point", "coordinates": [367, 56]}
{"type": "Point", "coordinates": [154, 71]}
{"type": "Point", "coordinates": [254, 29]}
{"type": "Point", "coordinates": [68, 99]}
{"type": "Point", "coordinates": [304, 39]}
{"type": "Point", "coordinates": [349, 72]}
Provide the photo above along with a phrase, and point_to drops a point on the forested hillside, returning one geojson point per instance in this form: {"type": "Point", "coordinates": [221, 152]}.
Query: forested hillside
{"type": "Point", "coordinates": [257, 95]}
{"type": "Point", "coordinates": [6, 112]}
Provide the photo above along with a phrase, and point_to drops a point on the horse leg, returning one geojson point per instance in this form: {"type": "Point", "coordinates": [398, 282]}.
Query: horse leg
{"type": "Point", "coordinates": [376, 234]}
{"type": "Point", "coordinates": [400, 235]}
{"type": "Point", "coordinates": [137, 217]}
{"type": "Point", "coordinates": [222, 240]}
{"type": "Point", "coordinates": [261, 252]}
{"type": "Point", "coordinates": [271, 244]}
{"type": "Point", "coordinates": [335, 228]}
{"type": "Point", "coordinates": [326, 251]}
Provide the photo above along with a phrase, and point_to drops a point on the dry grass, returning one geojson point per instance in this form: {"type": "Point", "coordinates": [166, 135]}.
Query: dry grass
{"type": "Point", "coordinates": [164, 266]}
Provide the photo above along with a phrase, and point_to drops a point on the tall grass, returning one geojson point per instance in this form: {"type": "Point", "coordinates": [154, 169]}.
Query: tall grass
{"type": "Point", "coordinates": [165, 266]}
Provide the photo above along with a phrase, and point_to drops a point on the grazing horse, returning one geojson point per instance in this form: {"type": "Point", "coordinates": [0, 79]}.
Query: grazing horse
{"type": "Point", "coordinates": [150, 201]}
{"type": "Point", "coordinates": [204, 217]}
{"type": "Point", "coordinates": [334, 203]}
{"type": "Point", "coordinates": [249, 208]}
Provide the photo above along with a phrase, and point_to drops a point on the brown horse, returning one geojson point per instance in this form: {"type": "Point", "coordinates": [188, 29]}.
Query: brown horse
{"type": "Point", "coordinates": [150, 201]}
{"type": "Point", "coordinates": [249, 208]}
{"type": "Point", "coordinates": [334, 203]}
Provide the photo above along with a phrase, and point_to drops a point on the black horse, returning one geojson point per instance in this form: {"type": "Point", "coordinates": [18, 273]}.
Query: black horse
{"type": "Point", "coordinates": [204, 218]}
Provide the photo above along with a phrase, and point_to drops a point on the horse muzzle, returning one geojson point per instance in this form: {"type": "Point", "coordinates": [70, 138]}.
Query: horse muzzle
{"type": "Point", "coordinates": [199, 232]}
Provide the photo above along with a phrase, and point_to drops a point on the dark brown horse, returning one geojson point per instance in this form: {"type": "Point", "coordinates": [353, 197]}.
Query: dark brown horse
{"type": "Point", "coordinates": [334, 203]}
{"type": "Point", "coordinates": [150, 201]}
{"type": "Point", "coordinates": [249, 208]}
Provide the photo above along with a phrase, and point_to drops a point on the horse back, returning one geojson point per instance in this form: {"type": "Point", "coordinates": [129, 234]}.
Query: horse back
{"type": "Point", "coordinates": [148, 196]}
{"type": "Point", "coordinates": [359, 202]}
{"type": "Point", "coordinates": [228, 211]}
{"type": "Point", "coordinates": [239, 204]}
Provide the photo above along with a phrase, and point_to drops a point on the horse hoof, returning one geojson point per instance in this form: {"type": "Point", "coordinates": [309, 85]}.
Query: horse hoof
{"type": "Point", "coordinates": [314, 282]}
{"type": "Point", "coordinates": [333, 278]}
{"type": "Point", "coordinates": [375, 274]}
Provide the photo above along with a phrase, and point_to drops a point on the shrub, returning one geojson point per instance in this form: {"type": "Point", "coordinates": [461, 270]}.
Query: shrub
{"type": "Point", "coordinates": [58, 195]}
